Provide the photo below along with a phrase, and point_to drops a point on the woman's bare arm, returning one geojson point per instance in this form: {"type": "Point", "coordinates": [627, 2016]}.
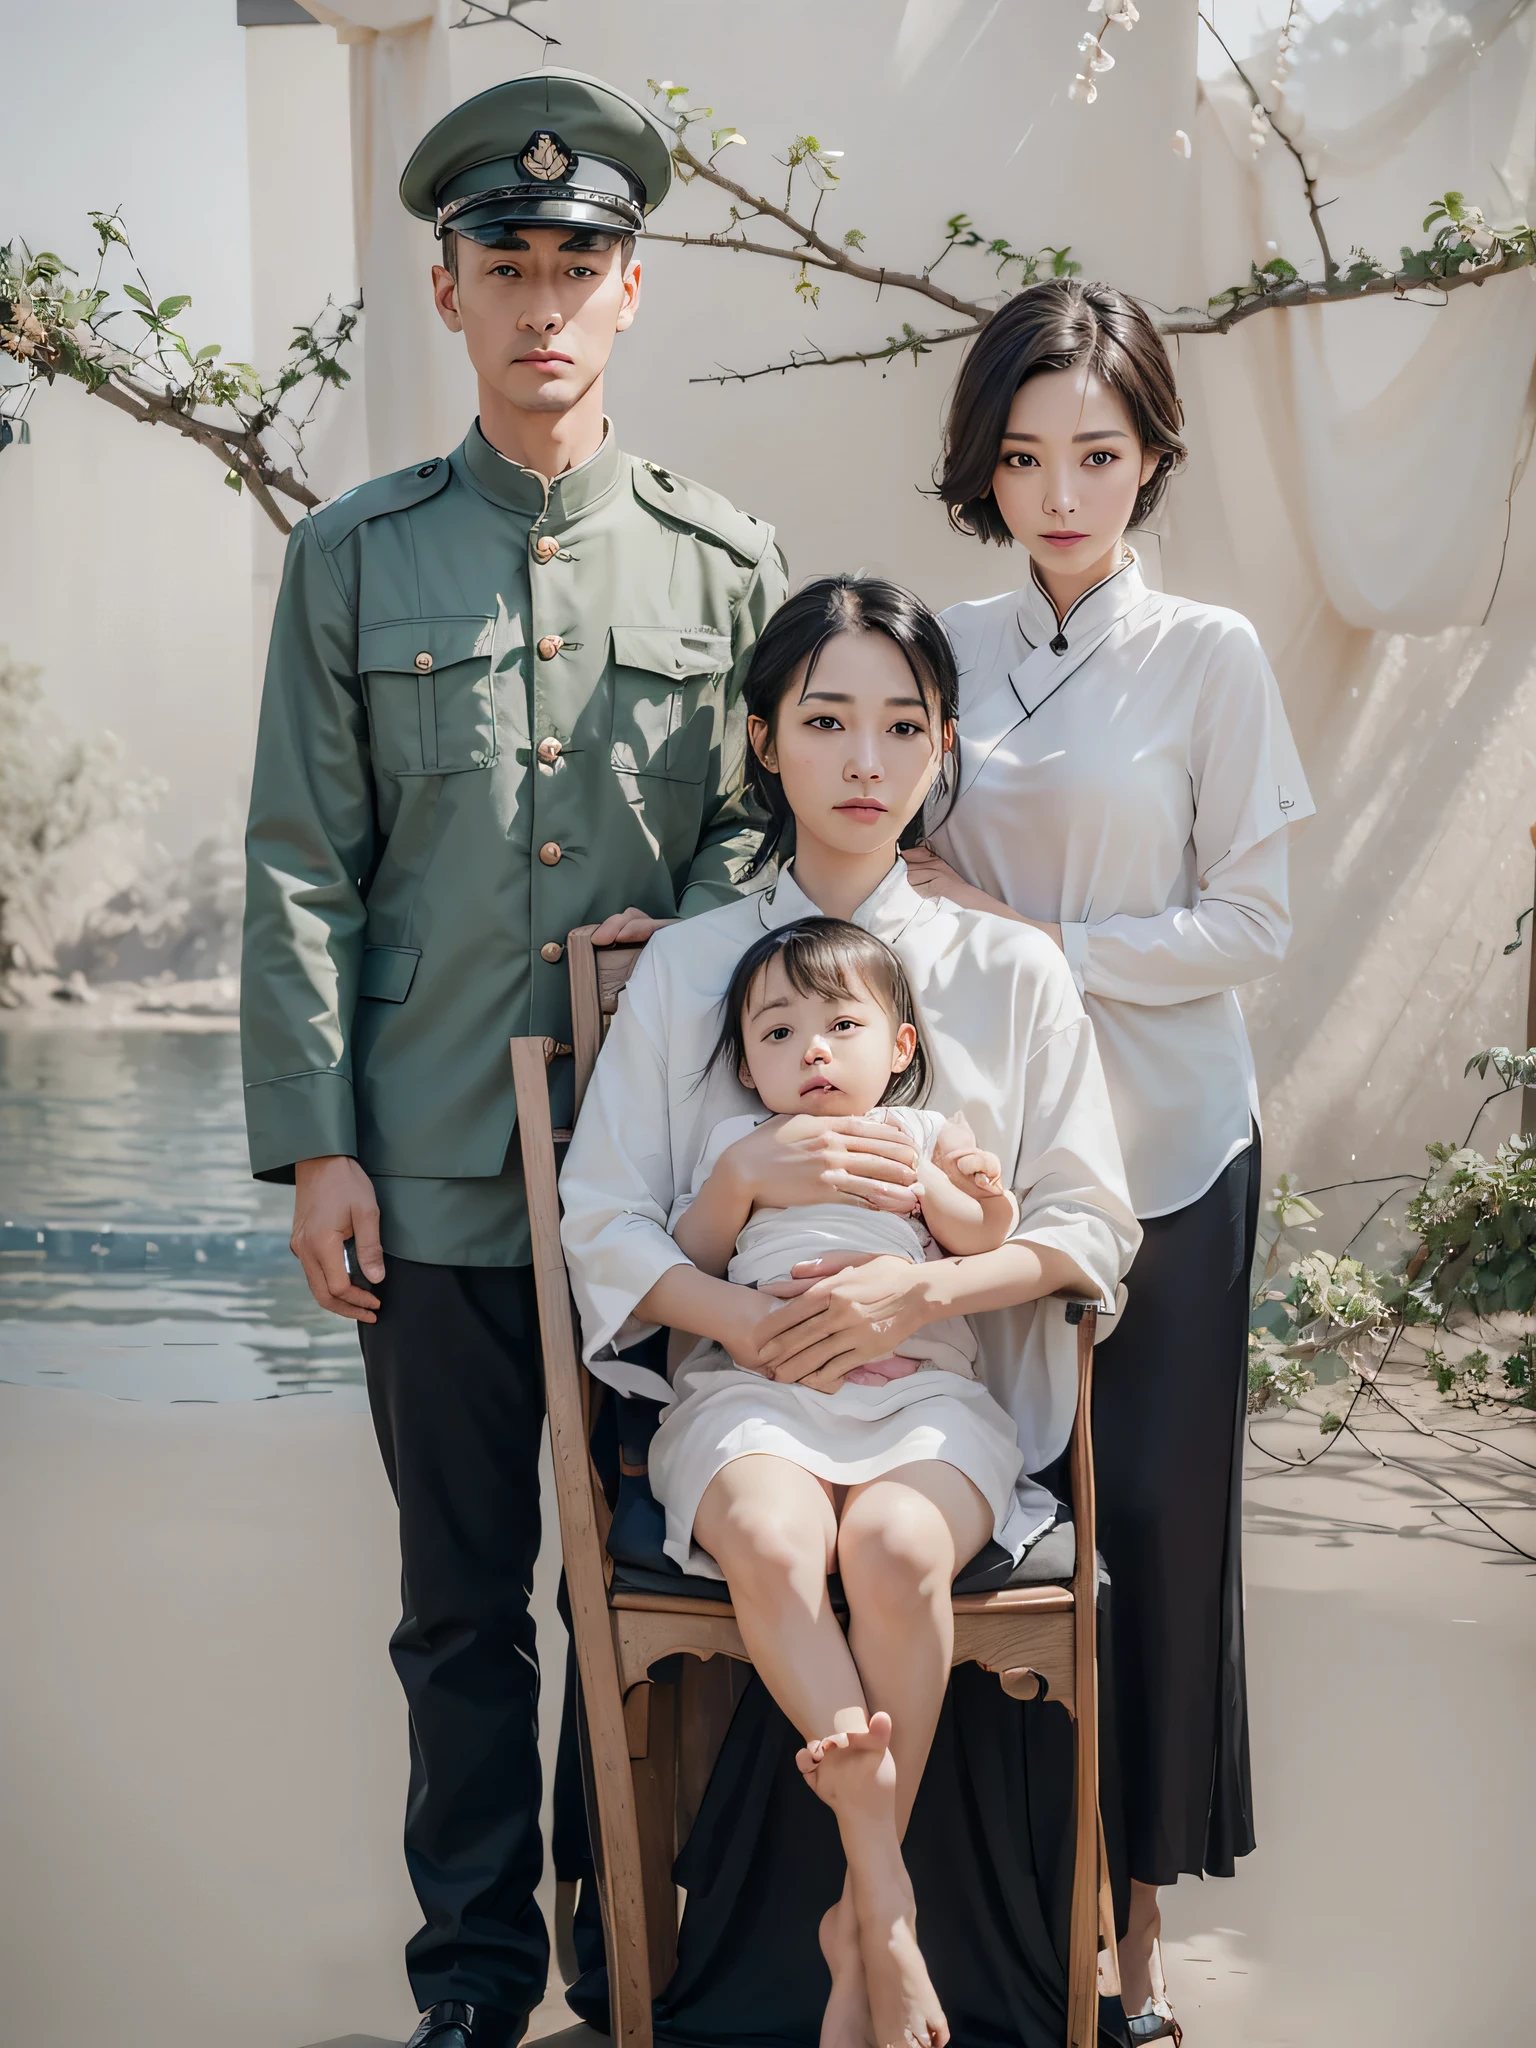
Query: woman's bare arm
{"type": "Point", "coordinates": [730, 1316]}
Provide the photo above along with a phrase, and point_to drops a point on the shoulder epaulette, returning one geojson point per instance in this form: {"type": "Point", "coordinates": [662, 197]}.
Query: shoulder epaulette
{"type": "Point", "coordinates": [397, 492]}
{"type": "Point", "coordinates": [685, 503]}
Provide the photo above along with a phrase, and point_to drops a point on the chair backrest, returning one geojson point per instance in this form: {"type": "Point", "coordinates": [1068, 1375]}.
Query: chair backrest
{"type": "Point", "coordinates": [597, 974]}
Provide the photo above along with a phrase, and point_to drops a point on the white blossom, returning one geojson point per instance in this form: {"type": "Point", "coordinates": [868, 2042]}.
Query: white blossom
{"type": "Point", "coordinates": [1083, 89]}
{"type": "Point", "coordinates": [1181, 143]}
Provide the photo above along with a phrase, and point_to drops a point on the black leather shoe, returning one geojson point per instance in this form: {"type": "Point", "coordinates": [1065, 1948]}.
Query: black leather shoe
{"type": "Point", "coordinates": [454, 2024]}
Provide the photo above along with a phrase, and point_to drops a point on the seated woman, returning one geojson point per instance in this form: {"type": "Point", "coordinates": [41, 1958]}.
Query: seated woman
{"type": "Point", "coordinates": [850, 701]}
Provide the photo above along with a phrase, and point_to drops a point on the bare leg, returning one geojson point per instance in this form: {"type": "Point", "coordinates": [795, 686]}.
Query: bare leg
{"type": "Point", "coordinates": [1141, 1933]}
{"type": "Point", "coordinates": [902, 1539]}
{"type": "Point", "coordinates": [771, 1528]}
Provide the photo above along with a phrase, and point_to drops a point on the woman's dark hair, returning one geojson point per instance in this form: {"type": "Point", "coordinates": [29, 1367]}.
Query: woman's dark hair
{"type": "Point", "coordinates": [823, 956]}
{"type": "Point", "coordinates": [798, 632]}
{"type": "Point", "coordinates": [1055, 325]}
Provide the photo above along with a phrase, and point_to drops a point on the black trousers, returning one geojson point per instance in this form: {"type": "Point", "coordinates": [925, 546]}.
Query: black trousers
{"type": "Point", "coordinates": [1170, 1397]}
{"type": "Point", "coordinates": [456, 1385]}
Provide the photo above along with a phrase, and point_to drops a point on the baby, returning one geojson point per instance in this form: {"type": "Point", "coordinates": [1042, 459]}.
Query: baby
{"type": "Point", "coordinates": [820, 1022]}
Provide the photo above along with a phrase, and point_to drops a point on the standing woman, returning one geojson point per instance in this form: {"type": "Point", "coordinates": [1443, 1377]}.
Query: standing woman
{"type": "Point", "coordinates": [1126, 780]}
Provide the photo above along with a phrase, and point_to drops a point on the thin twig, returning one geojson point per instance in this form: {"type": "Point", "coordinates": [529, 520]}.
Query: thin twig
{"type": "Point", "coordinates": [816, 358]}
{"type": "Point", "coordinates": [1314, 205]}
{"type": "Point", "coordinates": [806, 236]}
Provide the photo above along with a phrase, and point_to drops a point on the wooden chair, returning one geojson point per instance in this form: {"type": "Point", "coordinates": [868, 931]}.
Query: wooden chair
{"type": "Point", "coordinates": [1041, 1635]}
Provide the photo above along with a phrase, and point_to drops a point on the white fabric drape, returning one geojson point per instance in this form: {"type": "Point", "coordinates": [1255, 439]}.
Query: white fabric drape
{"type": "Point", "coordinates": [1352, 489]}
{"type": "Point", "coordinates": [413, 377]}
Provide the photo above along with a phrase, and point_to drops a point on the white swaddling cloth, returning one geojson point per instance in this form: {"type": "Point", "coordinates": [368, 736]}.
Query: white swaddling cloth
{"type": "Point", "coordinates": [775, 1241]}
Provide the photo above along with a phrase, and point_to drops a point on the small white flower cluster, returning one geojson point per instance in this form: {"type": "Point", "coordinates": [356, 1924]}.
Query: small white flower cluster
{"type": "Point", "coordinates": [1285, 62]}
{"type": "Point", "coordinates": [1091, 46]}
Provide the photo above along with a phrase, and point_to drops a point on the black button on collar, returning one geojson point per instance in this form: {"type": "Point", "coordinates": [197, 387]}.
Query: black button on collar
{"type": "Point", "coordinates": [427, 469]}
{"type": "Point", "coordinates": [1059, 644]}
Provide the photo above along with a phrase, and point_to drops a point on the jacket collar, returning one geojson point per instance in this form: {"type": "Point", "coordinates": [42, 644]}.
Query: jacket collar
{"type": "Point", "coordinates": [552, 504]}
{"type": "Point", "coordinates": [886, 913]}
{"type": "Point", "coordinates": [1120, 592]}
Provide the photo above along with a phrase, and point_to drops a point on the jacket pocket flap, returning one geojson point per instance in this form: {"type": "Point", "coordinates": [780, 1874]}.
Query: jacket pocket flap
{"type": "Point", "coordinates": [418, 646]}
{"type": "Point", "coordinates": [664, 651]}
{"type": "Point", "coordinates": [388, 972]}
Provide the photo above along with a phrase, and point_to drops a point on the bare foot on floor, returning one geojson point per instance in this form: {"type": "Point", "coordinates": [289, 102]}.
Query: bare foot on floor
{"type": "Point", "coordinates": [903, 2004]}
{"type": "Point", "coordinates": [846, 2022]}
{"type": "Point", "coordinates": [854, 1772]}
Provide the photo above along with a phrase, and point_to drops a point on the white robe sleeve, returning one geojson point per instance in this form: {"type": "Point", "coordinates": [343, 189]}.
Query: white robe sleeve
{"type": "Point", "coordinates": [617, 1187]}
{"type": "Point", "coordinates": [1248, 787]}
{"type": "Point", "coordinates": [1070, 1181]}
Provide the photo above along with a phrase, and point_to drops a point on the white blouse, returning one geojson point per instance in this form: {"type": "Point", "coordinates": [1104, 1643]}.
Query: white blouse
{"type": "Point", "coordinates": [1129, 774]}
{"type": "Point", "coordinates": [1008, 1044]}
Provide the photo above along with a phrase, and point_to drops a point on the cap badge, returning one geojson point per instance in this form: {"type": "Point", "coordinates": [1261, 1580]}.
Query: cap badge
{"type": "Point", "coordinates": [546, 158]}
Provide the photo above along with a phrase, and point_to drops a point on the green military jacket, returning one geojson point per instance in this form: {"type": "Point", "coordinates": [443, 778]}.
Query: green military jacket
{"type": "Point", "coordinates": [493, 711]}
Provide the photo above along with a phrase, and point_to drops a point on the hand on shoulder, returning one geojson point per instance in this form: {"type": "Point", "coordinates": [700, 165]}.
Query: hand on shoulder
{"type": "Point", "coordinates": [930, 875]}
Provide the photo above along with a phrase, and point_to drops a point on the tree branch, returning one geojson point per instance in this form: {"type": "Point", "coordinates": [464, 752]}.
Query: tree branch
{"type": "Point", "coordinates": [1309, 183]}
{"type": "Point", "coordinates": [241, 453]}
{"type": "Point", "coordinates": [832, 257]}
{"type": "Point", "coordinates": [911, 344]}
{"type": "Point", "coordinates": [1313, 292]}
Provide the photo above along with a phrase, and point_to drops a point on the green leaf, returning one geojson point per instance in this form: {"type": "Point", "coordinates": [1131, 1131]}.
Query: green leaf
{"type": "Point", "coordinates": [1330, 1422]}
{"type": "Point", "coordinates": [232, 479]}
{"type": "Point", "coordinates": [169, 308]}
{"type": "Point", "coordinates": [207, 354]}
{"type": "Point", "coordinates": [131, 291]}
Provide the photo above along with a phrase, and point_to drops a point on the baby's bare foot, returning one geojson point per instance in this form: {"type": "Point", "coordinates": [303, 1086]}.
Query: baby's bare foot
{"type": "Point", "coordinates": [846, 2022]}
{"type": "Point", "coordinates": [853, 1769]}
{"type": "Point", "coordinates": [903, 2004]}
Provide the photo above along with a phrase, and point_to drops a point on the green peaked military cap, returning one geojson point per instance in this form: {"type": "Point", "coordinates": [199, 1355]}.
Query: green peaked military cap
{"type": "Point", "coordinates": [555, 148]}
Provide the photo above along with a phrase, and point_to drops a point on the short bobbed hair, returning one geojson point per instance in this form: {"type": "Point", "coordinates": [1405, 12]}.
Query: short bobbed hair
{"type": "Point", "coordinates": [826, 957]}
{"type": "Point", "coordinates": [1056, 325]}
{"type": "Point", "coordinates": [799, 632]}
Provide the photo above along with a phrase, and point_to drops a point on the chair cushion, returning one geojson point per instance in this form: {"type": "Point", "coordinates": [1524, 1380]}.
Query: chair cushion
{"type": "Point", "coordinates": [641, 1564]}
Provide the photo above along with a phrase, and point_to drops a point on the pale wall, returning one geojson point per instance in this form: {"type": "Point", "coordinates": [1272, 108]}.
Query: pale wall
{"type": "Point", "coordinates": [124, 561]}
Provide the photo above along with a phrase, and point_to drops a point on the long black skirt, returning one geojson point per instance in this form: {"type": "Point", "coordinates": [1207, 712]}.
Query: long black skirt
{"type": "Point", "coordinates": [1170, 1398]}
{"type": "Point", "coordinates": [990, 1854]}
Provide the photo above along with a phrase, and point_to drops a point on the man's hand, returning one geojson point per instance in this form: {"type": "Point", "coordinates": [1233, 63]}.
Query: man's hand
{"type": "Point", "coordinates": [627, 928]}
{"type": "Point", "coordinates": [333, 1200]}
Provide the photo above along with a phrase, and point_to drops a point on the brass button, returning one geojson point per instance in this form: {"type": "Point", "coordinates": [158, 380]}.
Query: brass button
{"type": "Point", "coordinates": [550, 646]}
{"type": "Point", "coordinates": [549, 751]}
{"type": "Point", "coordinates": [549, 853]}
{"type": "Point", "coordinates": [552, 952]}
{"type": "Point", "coordinates": [546, 547]}
{"type": "Point", "coordinates": [423, 662]}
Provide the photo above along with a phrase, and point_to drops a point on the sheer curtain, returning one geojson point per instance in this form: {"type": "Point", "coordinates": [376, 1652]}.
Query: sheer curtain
{"type": "Point", "coordinates": [1355, 491]}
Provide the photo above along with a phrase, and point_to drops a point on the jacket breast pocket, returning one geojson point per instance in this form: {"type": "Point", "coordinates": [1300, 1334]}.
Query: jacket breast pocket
{"type": "Point", "coordinates": [431, 706]}
{"type": "Point", "coordinates": [664, 686]}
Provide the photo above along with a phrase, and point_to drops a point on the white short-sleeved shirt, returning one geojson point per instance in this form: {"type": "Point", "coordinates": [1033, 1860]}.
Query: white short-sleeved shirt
{"type": "Point", "coordinates": [1129, 774]}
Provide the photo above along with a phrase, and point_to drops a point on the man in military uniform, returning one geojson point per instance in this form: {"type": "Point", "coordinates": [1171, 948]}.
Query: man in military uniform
{"type": "Point", "coordinates": [502, 700]}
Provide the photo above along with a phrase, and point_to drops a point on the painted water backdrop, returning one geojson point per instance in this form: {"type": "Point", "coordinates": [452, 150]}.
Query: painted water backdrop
{"type": "Point", "coordinates": [137, 1256]}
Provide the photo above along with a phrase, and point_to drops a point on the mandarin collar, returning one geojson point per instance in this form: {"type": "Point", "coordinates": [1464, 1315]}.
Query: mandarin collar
{"type": "Point", "coordinates": [554, 504]}
{"type": "Point", "coordinates": [885, 913]}
{"type": "Point", "coordinates": [1119, 592]}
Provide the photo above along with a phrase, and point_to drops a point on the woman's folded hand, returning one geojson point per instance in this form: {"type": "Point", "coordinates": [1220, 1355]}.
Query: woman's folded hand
{"type": "Point", "coordinates": [838, 1314]}
{"type": "Point", "coordinates": [792, 1161]}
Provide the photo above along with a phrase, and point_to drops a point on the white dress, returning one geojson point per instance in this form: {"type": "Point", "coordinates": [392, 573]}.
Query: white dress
{"type": "Point", "coordinates": [774, 1241]}
{"type": "Point", "coordinates": [722, 1412]}
{"type": "Point", "coordinates": [1008, 1044]}
{"type": "Point", "coordinates": [1130, 775]}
